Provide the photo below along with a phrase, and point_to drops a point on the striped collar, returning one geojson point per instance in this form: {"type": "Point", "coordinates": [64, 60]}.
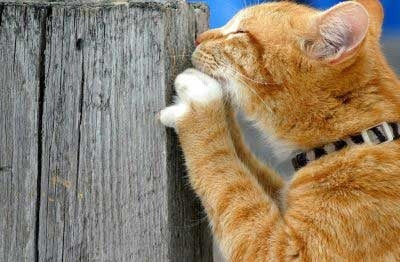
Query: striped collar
{"type": "Point", "coordinates": [376, 135]}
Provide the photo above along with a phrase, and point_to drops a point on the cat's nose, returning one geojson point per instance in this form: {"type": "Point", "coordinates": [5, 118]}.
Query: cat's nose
{"type": "Point", "coordinates": [201, 38]}
{"type": "Point", "coordinates": [208, 35]}
{"type": "Point", "coordinates": [197, 42]}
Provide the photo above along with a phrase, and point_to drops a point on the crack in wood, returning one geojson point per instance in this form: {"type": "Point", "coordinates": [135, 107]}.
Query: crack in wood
{"type": "Point", "coordinates": [42, 88]}
{"type": "Point", "coordinates": [5, 169]}
{"type": "Point", "coordinates": [1, 14]}
{"type": "Point", "coordinates": [104, 150]}
{"type": "Point", "coordinates": [79, 45]}
{"type": "Point", "coordinates": [154, 5]}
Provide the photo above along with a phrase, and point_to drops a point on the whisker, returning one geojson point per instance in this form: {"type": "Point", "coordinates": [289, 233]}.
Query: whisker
{"type": "Point", "coordinates": [229, 67]}
{"type": "Point", "coordinates": [231, 74]}
{"type": "Point", "coordinates": [244, 76]}
{"type": "Point", "coordinates": [195, 223]}
{"type": "Point", "coordinates": [204, 63]}
{"type": "Point", "coordinates": [256, 94]}
{"type": "Point", "coordinates": [174, 56]}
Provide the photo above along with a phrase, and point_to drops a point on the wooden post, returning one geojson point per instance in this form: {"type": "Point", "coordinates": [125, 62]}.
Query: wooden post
{"type": "Point", "coordinates": [86, 171]}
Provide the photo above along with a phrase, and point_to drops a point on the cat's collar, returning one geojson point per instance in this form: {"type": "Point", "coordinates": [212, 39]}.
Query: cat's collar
{"type": "Point", "coordinates": [384, 132]}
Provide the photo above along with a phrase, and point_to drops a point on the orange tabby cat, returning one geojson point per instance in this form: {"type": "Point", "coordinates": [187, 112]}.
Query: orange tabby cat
{"type": "Point", "coordinates": [307, 78]}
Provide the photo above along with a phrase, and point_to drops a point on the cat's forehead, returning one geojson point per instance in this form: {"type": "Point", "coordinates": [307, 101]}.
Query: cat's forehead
{"type": "Point", "coordinates": [261, 14]}
{"type": "Point", "coordinates": [234, 24]}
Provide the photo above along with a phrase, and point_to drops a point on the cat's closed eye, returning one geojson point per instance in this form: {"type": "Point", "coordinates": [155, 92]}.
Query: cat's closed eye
{"type": "Point", "coordinates": [240, 32]}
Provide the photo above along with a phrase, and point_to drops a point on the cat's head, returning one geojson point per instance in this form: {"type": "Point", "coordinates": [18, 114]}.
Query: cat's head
{"type": "Point", "coordinates": [304, 75]}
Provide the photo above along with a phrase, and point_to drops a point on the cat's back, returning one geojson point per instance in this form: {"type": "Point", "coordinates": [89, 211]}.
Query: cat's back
{"type": "Point", "coordinates": [347, 205]}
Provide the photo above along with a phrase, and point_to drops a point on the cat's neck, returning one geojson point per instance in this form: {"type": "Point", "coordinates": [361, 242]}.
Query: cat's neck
{"type": "Point", "coordinates": [376, 99]}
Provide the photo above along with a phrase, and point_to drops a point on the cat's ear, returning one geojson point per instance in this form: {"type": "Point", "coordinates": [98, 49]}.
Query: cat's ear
{"type": "Point", "coordinates": [337, 33]}
{"type": "Point", "coordinates": [375, 11]}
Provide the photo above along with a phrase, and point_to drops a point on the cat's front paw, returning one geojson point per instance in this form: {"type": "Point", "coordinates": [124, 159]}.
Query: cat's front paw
{"type": "Point", "coordinates": [197, 87]}
{"type": "Point", "coordinates": [192, 87]}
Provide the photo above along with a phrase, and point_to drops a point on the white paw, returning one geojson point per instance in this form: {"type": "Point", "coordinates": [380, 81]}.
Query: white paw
{"type": "Point", "coordinates": [191, 86]}
{"type": "Point", "coordinates": [195, 86]}
{"type": "Point", "coordinates": [169, 115]}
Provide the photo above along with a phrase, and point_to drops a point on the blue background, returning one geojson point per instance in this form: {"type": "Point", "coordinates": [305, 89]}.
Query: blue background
{"type": "Point", "coordinates": [223, 10]}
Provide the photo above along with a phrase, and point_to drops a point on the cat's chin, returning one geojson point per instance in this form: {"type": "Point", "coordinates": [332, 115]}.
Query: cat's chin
{"type": "Point", "coordinates": [222, 80]}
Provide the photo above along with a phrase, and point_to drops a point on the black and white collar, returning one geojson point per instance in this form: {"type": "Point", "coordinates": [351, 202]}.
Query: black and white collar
{"type": "Point", "coordinates": [376, 135]}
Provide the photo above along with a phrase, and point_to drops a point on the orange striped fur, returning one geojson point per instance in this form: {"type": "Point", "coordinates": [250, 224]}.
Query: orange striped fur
{"type": "Point", "coordinates": [277, 63]}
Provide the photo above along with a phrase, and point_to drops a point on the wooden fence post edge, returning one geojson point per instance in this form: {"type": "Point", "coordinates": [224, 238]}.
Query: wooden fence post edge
{"type": "Point", "coordinates": [65, 84]}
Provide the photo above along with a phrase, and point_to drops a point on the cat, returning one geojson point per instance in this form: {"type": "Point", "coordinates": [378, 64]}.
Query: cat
{"type": "Point", "coordinates": [307, 78]}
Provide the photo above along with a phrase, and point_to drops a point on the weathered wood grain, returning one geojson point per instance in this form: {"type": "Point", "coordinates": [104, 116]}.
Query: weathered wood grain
{"type": "Point", "coordinates": [87, 172]}
{"type": "Point", "coordinates": [84, 2]}
{"type": "Point", "coordinates": [20, 41]}
{"type": "Point", "coordinates": [189, 225]}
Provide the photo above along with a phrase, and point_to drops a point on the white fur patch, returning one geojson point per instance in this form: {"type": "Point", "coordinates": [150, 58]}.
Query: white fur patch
{"type": "Point", "coordinates": [192, 86]}
{"type": "Point", "coordinates": [282, 149]}
{"type": "Point", "coordinates": [195, 86]}
{"type": "Point", "coordinates": [171, 114]}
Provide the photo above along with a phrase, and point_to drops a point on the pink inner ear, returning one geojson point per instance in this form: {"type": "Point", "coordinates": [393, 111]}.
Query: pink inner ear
{"type": "Point", "coordinates": [357, 20]}
{"type": "Point", "coordinates": [342, 28]}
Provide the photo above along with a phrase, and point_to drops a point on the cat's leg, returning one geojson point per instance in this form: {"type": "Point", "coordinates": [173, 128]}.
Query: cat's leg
{"type": "Point", "coordinates": [268, 179]}
{"type": "Point", "coordinates": [246, 221]}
